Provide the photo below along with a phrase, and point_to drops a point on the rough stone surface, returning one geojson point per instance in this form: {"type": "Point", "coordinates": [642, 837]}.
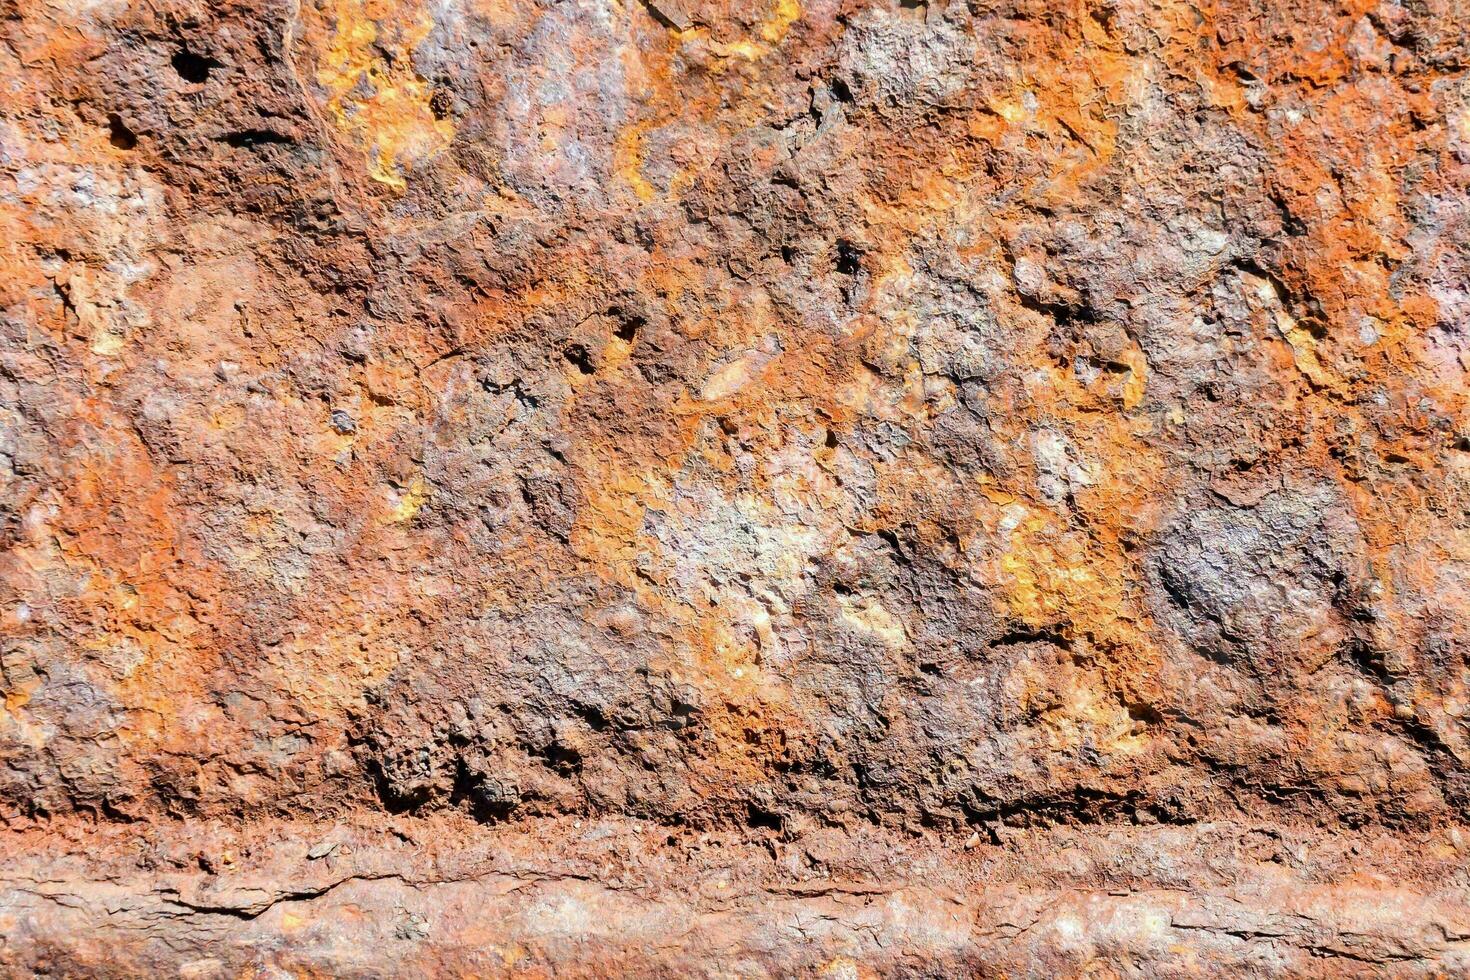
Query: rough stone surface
{"type": "Point", "coordinates": [839, 487]}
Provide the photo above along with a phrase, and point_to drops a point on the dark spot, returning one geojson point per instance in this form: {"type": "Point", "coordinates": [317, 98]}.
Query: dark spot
{"type": "Point", "coordinates": [759, 819]}
{"type": "Point", "coordinates": [627, 328]}
{"type": "Point", "coordinates": [489, 801]}
{"type": "Point", "coordinates": [577, 356]}
{"type": "Point", "coordinates": [193, 68]}
{"type": "Point", "coordinates": [840, 91]}
{"type": "Point", "coordinates": [255, 137]}
{"type": "Point", "coordinates": [1024, 635]}
{"type": "Point", "coordinates": [118, 134]}
{"type": "Point", "coordinates": [831, 441]}
{"type": "Point", "coordinates": [890, 538]}
{"type": "Point", "coordinates": [562, 759]}
{"type": "Point", "coordinates": [1242, 72]}
{"type": "Point", "coordinates": [849, 258]}
{"type": "Point", "coordinates": [1145, 713]}
{"type": "Point", "coordinates": [594, 718]}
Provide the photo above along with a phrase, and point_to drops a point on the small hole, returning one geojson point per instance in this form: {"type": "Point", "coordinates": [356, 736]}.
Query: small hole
{"type": "Point", "coordinates": [759, 819]}
{"type": "Point", "coordinates": [627, 330]}
{"type": "Point", "coordinates": [118, 134]}
{"type": "Point", "coordinates": [1145, 713]}
{"type": "Point", "coordinates": [255, 137]}
{"type": "Point", "coordinates": [192, 67]}
{"type": "Point", "coordinates": [849, 259]}
{"type": "Point", "coordinates": [577, 356]}
{"type": "Point", "coordinates": [840, 91]}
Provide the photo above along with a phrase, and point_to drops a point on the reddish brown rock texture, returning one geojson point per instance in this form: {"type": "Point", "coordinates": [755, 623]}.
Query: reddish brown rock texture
{"type": "Point", "coordinates": [789, 487]}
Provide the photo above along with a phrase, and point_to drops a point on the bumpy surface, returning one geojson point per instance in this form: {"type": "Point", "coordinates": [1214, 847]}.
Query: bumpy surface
{"type": "Point", "coordinates": [734, 488]}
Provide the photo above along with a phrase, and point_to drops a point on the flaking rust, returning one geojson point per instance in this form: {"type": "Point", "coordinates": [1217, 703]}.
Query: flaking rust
{"type": "Point", "coordinates": [834, 488]}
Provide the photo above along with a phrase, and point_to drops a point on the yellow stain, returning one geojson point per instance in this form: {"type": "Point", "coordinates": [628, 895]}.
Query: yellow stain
{"type": "Point", "coordinates": [412, 500]}
{"type": "Point", "coordinates": [1137, 383]}
{"type": "Point", "coordinates": [379, 101]}
{"type": "Point", "coordinates": [1303, 350]}
{"type": "Point", "coordinates": [749, 50]}
{"type": "Point", "coordinates": [226, 417]}
{"type": "Point", "coordinates": [106, 343]}
{"type": "Point", "coordinates": [787, 12]}
{"type": "Point", "coordinates": [772, 32]}
{"type": "Point", "coordinates": [628, 159]}
{"type": "Point", "coordinates": [15, 700]}
{"type": "Point", "coordinates": [1044, 584]}
{"type": "Point", "coordinates": [1011, 112]}
{"type": "Point", "coordinates": [1303, 344]}
{"type": "Point", "coordinates": [18, 697]}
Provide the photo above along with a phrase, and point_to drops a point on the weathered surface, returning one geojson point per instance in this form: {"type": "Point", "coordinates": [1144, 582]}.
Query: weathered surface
{"type": "Point", "coordinates": [734, 489]}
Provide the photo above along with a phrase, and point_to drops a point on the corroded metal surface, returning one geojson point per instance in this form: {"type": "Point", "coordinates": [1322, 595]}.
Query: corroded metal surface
{"type": "Point", "coordinates": [982, 484]}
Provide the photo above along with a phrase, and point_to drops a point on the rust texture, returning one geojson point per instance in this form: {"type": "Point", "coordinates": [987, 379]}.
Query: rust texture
{"type": "Point", "coordinates": [766, 488]}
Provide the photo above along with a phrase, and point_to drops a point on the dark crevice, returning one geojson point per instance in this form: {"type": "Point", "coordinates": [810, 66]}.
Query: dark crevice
{"type": "Point", "coordinates": [193, 68]}
{"type": "Point", "coordinates": [1145, 713]}
{"type": "Point", "coordinates": [1306, 312]}
{"type": "Point", "coordinates": [63, 293]}
{"type": "Point", "coordinates": [487, 802]}
{"type": "Point", "coordinates": [760, 819]}
{"type": "Point", "coordinates": [628, 327]}
{"type": "Point", "coordinates": [118, 134]}
{"type": "Point", "coordinates": [578, 356]}
{"type": "Point", "coordinates": [1290, 223]}
{"type": "Point", "coordinates": [594, 718]}
{"type": "Point", "coordinates": [1367, 660]}
{"type": "Point", "coordinates": [392, 800]}
{"type": "Point", "coordinates": [255, 137]}
{"type": "Point", "coordinates": [1063, 314]}
{"type": "Point", "coordinates": [1082, 806]}
{"type": "Point", "coordinates": [891, 539]}
{"type": "Point", "coordinates": [1017, 637]}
